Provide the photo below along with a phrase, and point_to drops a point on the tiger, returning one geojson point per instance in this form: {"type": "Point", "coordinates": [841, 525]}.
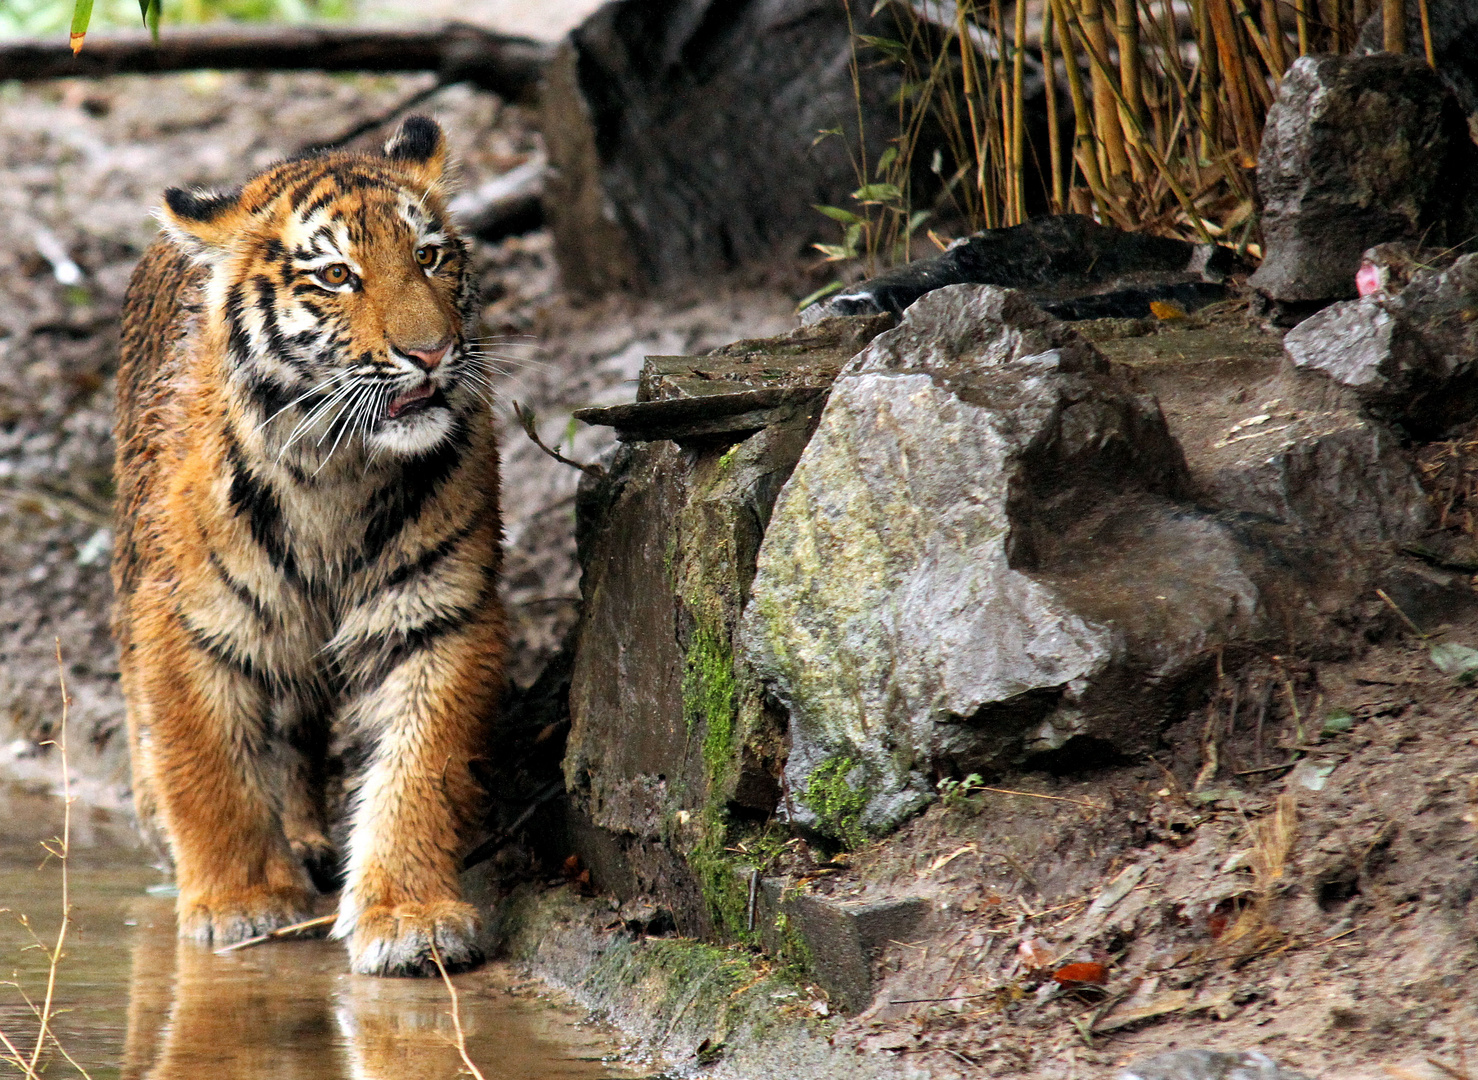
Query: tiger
{"type": "Point", "coordinates": [307, 552]}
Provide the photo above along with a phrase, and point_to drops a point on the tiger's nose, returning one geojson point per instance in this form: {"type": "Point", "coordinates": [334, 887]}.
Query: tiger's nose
{"type": "Point", "coordinates": [429, 359]}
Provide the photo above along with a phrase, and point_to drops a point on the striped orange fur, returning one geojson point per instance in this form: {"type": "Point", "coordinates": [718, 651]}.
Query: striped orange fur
{"type": "Point", "coordinates": [308, 551]}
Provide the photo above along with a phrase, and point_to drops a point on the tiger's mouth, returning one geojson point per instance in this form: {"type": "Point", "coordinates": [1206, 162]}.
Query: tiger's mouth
{"type": "Point", "coordinates": [426, 396]}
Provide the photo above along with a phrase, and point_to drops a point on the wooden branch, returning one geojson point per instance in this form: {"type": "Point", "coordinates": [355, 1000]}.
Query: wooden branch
{"type": "Point", "coordinates": [508, 66]}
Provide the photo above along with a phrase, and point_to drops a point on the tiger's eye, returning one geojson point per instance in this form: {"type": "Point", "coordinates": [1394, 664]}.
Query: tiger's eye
{"type": "Point", "coordinates": [335, 274]}
{"type": "Point", "coordinates": [426, 255]}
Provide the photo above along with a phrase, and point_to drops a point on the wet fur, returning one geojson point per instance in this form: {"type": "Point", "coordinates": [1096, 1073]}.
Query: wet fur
{"type": "Point", "coordinates": [311, 640]}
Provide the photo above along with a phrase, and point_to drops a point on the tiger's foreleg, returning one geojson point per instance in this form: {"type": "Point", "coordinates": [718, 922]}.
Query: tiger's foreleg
{"type": "Point", "coordinates": [423, 722]}
{"type": "Point", "coordinates": [210, 775]}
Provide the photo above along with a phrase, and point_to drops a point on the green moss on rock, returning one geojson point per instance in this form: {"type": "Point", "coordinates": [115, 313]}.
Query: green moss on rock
{"type": "Point", "coordinates": [838, 806]}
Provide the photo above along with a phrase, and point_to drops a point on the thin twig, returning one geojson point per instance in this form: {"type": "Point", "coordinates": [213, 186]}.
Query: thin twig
{"type": "Point", "coordinates": [529, 422]}
{"type": "Point", "coordinates": [1089, 803]}
{"type": "Point", "coordinates": [456, 1013]}
{"type": "Point", "coordinates": [280, 932]}
{"type": "Point", "coordinates": [1415, 629]}
{"type": "Point", "coordinates": [55, 955]}
{"type": "Point", "coordinates": [489, 847]}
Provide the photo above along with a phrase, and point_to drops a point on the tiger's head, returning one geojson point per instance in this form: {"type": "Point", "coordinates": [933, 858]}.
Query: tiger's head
{"type": "Point", "coordinates": [344, 297]}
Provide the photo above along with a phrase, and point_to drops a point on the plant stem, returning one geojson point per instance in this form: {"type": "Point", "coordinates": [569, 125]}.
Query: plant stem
{"type": "Point", "coordinates": [1054, 128]}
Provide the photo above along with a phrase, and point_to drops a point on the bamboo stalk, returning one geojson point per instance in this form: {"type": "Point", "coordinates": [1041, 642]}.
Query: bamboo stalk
{"type": "Point", "coordinates": [1275, 39]}
{"type": "Point", "coordinates": [1206, 78]}
{"type": "Point", "coordinates": [1085, 152]}
{"type": "Point", "coordinates": [1301, 14]}
{"type": "Point", "coordinates": [1018, 114]}
{"type": "Point", "coordinates": [1234, 72]}
{"type": "Point", "coordinates": [1393, 25]}
{"type": "Point", "coordinates": [970, 78]}
{"type": "Point", "coordinates": [1100, 62]}
{"type": "Point", "coordinates": [1003, 95]}
{"type": "Point", "coordinates": [1105, 113]}
{"type": "Point", "coordinates": [1054, 128]}
{"type": "Point", "coordinates": [1126, 28]}
{"type": "Point", "coordinates": [1421, 6]}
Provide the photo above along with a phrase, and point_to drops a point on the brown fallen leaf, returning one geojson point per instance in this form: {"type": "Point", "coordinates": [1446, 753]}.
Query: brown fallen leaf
{"type": "Point", "coordinates": [1088, 973]}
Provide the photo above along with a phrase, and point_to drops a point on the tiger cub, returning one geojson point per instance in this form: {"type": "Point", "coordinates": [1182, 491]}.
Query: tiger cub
{"type": "Point", "coordinates": [308, 552]}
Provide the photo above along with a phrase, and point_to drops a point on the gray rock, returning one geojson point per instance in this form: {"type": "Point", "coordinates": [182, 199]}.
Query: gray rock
{"type": "Point", "coordinates": [980, 556]}
{"type": "Point", "coordinates": [1411, 357]}
{"type": "Point", "coordinates": [1209, 1065]}
{"type": "Point", "coordinates": [1356, 151]}
{"type": "Point", "coordinates": [844, 938]}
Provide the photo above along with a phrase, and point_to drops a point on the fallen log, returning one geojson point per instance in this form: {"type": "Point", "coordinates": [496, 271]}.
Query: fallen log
{"type": "Point", "coordinates": [510, 67]}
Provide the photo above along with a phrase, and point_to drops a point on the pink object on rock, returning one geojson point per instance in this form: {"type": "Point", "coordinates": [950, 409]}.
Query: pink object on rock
{"type": "Point", "coordinates": [1369, 279]}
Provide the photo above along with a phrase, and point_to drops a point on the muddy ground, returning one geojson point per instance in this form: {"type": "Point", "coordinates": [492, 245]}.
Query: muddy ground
{"type": "Point", "coordinates": [1294, 873]}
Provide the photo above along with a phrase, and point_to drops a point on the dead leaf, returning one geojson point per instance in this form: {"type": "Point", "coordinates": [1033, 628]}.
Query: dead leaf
{"type": "Point", "coordinates": [1170, 1002]}
{"type": "Point", "coordinates": [1088, 973]}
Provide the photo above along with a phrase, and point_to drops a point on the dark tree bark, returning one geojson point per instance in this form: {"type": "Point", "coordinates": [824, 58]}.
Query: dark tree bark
{"type": "Point", "coordinates": [508, 66]}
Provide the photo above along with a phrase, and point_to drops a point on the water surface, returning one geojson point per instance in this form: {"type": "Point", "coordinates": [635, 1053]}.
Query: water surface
{"type": "Point", "coordinates": [141, 1004]}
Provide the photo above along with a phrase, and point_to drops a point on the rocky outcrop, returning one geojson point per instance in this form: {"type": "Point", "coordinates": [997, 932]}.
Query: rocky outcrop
{"type": "Point", "coordinates": [1411, 356]}
{"type": "Point", "coordinates": [825, 570]}
{"type": "Point", "coordinates": [986, 553]}
{"type": "Point", "coordinates": [1356, 151]}
{"type": "Point", "coordinates": [668, 736]}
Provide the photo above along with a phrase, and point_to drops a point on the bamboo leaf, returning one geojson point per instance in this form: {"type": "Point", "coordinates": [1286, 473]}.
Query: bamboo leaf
{"type": "Point", "coordinates": [833, 252]}
{"type": "Point", "coordinates": [819, 294]}
{"type": "Point", "coordinates": [81, 16]}
{"type": "Point", "coordinates": [836, 213]}
{"type": "Point", "coordinates": [890, 155]}
{"type": "Point", "coordinates": [877, 193]}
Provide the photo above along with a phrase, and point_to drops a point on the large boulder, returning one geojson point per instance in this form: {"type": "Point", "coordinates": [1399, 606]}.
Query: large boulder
{"type": "Point", "coordinates": [983, 555]}
{"type": "Point", "coordinates": [1356, 151]}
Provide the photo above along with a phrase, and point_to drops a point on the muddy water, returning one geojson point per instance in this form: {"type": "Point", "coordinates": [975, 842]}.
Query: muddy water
{"type": "Point", "coordinates": [140, 1004]}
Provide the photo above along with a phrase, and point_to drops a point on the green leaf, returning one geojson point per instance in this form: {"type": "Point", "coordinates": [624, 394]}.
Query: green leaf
{"type": "Point", "coordinates": [895, 50]}
{"type": "Point", "coordinates": [890, 155]}
{"type": "Point", "coordinates": [1337, 722]}
{"type": "Point", "coordinates": [917, 218]}
{"type": "Point", "coordinates": [877, 193]}
{"type": "Point", "coordinates": [826, 133]}
{"type": "Point", "coordinates": [852, 235]}
{"type": "Point", "coordinates": [836, 213]}
{"type": "Point", "coordinates": [820, 294]}
{"type": "Point", "coordinates": [833, 252]}
{"type": "Point", "coordinates": [81, 16]}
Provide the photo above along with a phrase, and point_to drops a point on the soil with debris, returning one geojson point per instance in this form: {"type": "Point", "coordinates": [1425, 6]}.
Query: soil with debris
{"type": "Point", "coordinates": [1296, 873]}
{"type": "Point", "coordinates": [82, 165]}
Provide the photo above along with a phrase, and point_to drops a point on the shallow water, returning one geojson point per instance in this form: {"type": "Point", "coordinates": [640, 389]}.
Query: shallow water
{"type": "Point", "coordinates": [139, 1003]}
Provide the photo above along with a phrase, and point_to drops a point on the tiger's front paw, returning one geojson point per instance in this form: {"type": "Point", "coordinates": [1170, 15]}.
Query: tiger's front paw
{"type": "Point", "coordinates": [223, 919]}
{"type": "Point", "coordinates": [397, 940]}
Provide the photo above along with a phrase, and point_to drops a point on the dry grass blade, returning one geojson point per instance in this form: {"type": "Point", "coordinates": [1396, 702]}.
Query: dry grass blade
{"type": "Point", "coordinates": [1254, 933]}
{"type": "Point", "coordinates": [471, 1066]}
{"type": "Point", "coordinates": [58, 849]}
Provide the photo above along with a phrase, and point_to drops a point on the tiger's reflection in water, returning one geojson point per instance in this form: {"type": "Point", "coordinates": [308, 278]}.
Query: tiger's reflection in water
{"type": "Point", "coordinates": [288, 1010]}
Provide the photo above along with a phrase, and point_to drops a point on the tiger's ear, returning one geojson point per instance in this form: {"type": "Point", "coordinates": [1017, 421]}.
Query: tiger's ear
{"type": "Point", "coordinates": [204, 223]}
{"type": "Point", "coordinates": [419, 148]}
